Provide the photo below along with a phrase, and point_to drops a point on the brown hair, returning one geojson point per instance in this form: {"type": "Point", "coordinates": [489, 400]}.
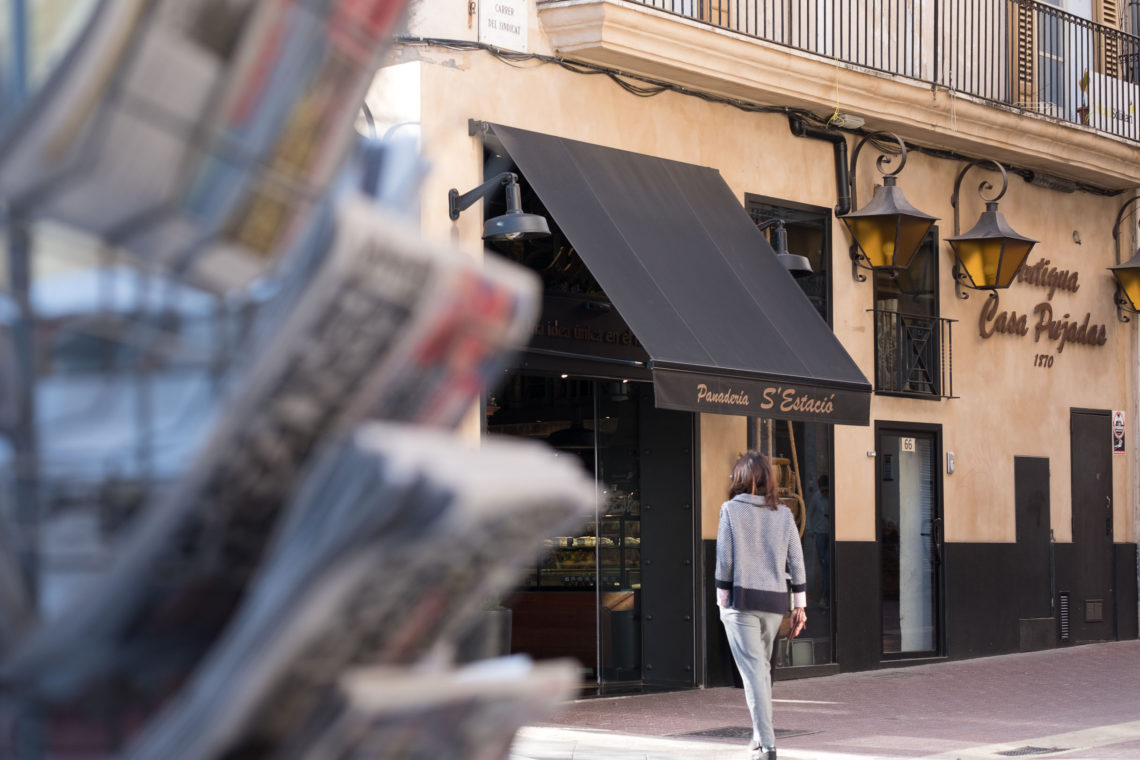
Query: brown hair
{"type": "Point", "coordinates": [753, 474]}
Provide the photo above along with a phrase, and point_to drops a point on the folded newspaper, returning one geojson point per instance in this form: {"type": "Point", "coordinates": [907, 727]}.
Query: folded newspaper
{"type": "Point", "coordinates": [469, 714]}
{"type": "Point", "coordinates": [387, 327]}
{"type": "Point", "coordinates": [198, 134]}
{"type": "Point", "coordinates": [388, 550]}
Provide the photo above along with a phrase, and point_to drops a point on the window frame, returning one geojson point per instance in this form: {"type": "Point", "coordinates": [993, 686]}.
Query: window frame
{"type": "Point", "coordinates": [939, 374]}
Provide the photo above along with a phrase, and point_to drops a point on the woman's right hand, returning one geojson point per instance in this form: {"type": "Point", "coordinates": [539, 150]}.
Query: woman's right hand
{"type": "Point", "coordinates": [799, 620]}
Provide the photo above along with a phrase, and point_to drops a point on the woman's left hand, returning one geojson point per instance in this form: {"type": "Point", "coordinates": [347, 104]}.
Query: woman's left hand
{"type": "Point", "coordinates": [799, 620]}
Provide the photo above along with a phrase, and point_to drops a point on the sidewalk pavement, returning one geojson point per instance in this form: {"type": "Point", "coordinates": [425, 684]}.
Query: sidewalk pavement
{"type": "Point", "coordinates": [1080, 702]}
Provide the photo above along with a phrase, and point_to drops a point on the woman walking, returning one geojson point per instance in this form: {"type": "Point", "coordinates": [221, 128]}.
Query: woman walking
{"type": "Point", "coordinates": [757, 544]}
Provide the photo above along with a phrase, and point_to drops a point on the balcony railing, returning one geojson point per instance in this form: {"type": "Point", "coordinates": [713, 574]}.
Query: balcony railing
{"type": "Point", "coordinates": [1020, 53]}
{"type": "Point", "coordinates": [914, 355]}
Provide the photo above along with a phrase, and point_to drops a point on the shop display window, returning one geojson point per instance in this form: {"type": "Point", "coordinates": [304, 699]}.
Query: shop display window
{"type": "Point", "coordinates": [802, 452]}
{"type": "Point", "coordinates": [581, 597]}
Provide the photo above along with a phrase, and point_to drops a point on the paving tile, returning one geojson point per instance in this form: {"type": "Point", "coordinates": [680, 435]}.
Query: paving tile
{"type": "Point", "coordinates": [946, 710]}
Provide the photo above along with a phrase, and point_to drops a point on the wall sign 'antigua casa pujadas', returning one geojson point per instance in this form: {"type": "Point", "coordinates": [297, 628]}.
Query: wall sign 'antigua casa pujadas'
{"type": "Point", "coordinates": [1047, 322]}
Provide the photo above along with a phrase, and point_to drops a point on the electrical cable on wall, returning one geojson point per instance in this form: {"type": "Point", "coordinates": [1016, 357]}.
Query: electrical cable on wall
{"type": "Point", "coordinates": [652, 87]}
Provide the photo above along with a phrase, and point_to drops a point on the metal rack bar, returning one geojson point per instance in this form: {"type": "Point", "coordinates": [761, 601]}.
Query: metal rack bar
{"type": "Point", "coordinates": [24, 442]}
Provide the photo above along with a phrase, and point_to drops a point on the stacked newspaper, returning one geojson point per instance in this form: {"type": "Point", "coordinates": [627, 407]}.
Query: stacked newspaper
{"type": "Point", "coordinates": [470, 714]}
{"type": "Point", "coordinates": [388, 549]}
{"type": "Point", "coordinates": [198, 134]}
{"type": "Point", "coordinates": [305, 545]}
{"type": "Point", "coordinates": [387, 327]}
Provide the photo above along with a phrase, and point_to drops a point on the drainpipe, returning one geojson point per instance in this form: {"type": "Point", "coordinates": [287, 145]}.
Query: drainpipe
{"type": "Point", "coordinates": [1133, 498]}
{"type": "Point", "coordinates": [1134, 29]}
{"type": "Point", "coordinates": [801, 128]}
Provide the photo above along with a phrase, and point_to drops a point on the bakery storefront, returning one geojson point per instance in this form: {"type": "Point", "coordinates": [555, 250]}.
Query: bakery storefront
{"type": "Point", "coordinates": [671, 335]}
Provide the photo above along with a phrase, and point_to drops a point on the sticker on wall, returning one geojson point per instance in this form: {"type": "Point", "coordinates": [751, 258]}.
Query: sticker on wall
{"type": "Point", "coordinates": [1118, 432]}
{"type": "Point", "coordinates": [503, 23]}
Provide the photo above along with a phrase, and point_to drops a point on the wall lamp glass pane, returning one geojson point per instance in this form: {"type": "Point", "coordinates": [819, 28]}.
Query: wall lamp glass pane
{"type": "Point", "coordinates": [1127, 296]}
{"type": "Point", "coordinates": [989, 256]}
{"type": "Point", "coordinates": [888, 230]}
{"type": "Point", "coordinates": [513, 225]}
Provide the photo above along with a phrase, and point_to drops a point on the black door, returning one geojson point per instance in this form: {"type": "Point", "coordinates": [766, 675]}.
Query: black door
{"type": "Point", "coordinates": [1034, 563]}
{"type": "Point", "coordinates": [1092, 609]}
{"type": "Point", "coordinates": [1031, 502]}
{"type": "Point", "coordinates": [668, 546]}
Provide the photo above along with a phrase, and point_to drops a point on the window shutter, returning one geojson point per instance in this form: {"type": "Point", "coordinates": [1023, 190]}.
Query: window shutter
{"type": "Point", "coordinates": [715, 11]}
{"type": "Point", "coordinates": [1109, 15]}
{"type": "Point", "coordinates": [1021, 65]}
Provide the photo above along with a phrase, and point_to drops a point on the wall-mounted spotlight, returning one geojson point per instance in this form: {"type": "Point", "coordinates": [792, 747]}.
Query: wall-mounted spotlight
{"type": "Point", "coordinates": [888, 230]}
{"type": "Point", "coordinates": [1127, 296]}
{"type": "Point", "coordinates": [989, 255]}
{"type": "Point", "coordinates": [513, 225]}
{"type": "Point", "coordinates": [798, 265]}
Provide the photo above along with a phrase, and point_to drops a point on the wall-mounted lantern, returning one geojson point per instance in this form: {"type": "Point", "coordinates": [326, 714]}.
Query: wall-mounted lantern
{"type": "Point", "coordinates": [513, 225]}
{"type": "Point", "coordinates": [989, 256]}
{"type": "Point", "coordinates": [1127, 296]}
{"type": "Point", "coordinates": [888, 230]}
{"type": "Point", "coordinates": [799, 266]}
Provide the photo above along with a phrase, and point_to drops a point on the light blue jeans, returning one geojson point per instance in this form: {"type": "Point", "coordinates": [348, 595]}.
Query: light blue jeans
{"type": "Point", "coordinates": [751, 636]}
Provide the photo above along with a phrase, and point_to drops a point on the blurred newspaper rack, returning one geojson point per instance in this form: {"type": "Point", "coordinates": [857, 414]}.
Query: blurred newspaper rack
{"type": "Point", "coordinates": [280, 539]}
{"type": "Point", "coordinates": [199, 135]}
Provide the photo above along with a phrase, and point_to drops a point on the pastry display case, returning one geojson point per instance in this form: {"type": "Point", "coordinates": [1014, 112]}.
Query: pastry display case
{"type": "Point", "coordinates": [609, 555]}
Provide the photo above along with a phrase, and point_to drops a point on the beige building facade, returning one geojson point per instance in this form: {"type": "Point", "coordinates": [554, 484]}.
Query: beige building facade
{"type": "Point", "coordinates": [963, 518]}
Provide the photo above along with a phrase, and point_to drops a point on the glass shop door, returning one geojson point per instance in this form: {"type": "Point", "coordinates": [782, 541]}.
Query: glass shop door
{"type": "Point", "coordinates": [584, 597]}
{"type": "Point", "coordinates": [910, 542]}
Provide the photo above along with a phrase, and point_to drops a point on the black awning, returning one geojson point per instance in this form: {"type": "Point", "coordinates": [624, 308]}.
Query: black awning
{"type": "Point", "coordinates": [725, 325]}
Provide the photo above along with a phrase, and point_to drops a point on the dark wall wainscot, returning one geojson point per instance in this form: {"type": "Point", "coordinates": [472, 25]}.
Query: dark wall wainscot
{"type": "Point", "coordinates": [858, 618]}
{"type": "Point", "coordinates": [1124, 562]}
{"type": "Point", "coordinates": [983, 584]}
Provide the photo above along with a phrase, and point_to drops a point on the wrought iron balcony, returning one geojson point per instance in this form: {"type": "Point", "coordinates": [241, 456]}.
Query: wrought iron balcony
{"type": "Point", "coordinates": [1019, 53]}
{"type": "Point", "coordinates": [914, 355]}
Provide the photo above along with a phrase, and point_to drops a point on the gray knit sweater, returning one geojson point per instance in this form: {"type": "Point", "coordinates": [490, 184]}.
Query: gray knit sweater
{"type": "Point", "coordinates": [755, 548]}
